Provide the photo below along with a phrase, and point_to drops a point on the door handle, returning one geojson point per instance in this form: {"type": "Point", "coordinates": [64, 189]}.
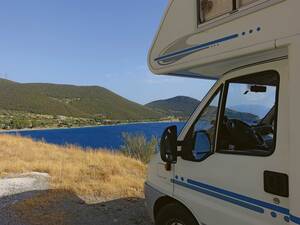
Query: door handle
{"type": "Point", "coordinates": [276, 183]}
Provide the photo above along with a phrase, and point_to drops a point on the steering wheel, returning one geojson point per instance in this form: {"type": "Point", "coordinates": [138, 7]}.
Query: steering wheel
{"type": "Point", "coordinates": [243, 136]}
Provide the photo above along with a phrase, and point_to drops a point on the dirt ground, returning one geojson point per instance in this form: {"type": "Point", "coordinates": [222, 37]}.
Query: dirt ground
{"type": "Point", "coordinates": [59, 207]}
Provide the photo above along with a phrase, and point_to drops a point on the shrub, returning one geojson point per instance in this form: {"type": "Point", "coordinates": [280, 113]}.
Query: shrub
{"type": "Point", "coordinates": [19, 123]}
{"type": "Point", "coordinates": [138, 147]}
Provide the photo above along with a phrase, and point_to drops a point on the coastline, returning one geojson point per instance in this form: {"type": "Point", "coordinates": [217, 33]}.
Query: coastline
{"type": "Point", "coordinates": [82, 127]}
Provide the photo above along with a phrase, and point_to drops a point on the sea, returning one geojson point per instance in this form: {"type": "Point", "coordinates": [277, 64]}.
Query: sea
{"type": "Point", "coordinates": [108, 137]}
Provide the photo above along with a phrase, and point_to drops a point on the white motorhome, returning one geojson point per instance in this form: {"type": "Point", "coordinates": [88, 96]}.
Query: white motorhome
{"type": "Point", "coordinates": [236, 161]}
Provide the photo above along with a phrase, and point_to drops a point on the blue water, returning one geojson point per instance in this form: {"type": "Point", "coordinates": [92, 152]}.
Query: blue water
{"type": "Point", "coordinates": [98, 137]}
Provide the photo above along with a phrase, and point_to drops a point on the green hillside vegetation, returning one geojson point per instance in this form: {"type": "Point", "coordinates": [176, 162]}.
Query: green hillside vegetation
{"type": "Point", "coordinates": [180, 106]}
{"type": "Point", "coordinates": [71, 101]}
{"type": "Point", "coordinates": [232, 114]}
{"type": "Point", "coordinates": [35, 105]}
{"type": "Point", "coordinates": [19, 120]}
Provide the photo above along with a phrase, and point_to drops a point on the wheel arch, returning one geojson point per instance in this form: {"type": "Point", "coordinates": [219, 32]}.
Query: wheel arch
{"type": "Point", "coordinates": [165, 200]}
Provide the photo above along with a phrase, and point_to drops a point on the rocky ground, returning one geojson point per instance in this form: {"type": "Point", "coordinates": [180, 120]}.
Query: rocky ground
{"type": "Point", "coordinates": [26, 200]}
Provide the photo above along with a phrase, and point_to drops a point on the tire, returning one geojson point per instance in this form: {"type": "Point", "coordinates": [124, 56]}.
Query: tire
{"type": "Point", "coordinates": [175, 214]}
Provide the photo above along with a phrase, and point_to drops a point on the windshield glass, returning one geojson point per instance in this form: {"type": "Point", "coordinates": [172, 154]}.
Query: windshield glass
{"type": "Point", "coordinates": [249, 106]}
{"type": "Point", "coordinates": [214, 85]}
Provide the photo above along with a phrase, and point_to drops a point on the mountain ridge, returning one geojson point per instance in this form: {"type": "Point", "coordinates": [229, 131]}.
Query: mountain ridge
{"type": "Point", "coordinates": [71, 100]}
{"type": "Point", "coordinates": [179, 106]}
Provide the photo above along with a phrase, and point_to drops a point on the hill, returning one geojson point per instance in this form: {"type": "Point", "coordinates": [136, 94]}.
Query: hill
{"type": "Point", "coordinates": [183, 107]}
{"type": "Point", "coordinates": [70, 100]}
{"type": "Point", "coordinates": [180, 106]}
{"type": "Point", "coordinates": [258, 110]}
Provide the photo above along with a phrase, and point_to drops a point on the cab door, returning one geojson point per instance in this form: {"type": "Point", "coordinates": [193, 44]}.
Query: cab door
{"type": "Point", "coordinates": [234, 156]}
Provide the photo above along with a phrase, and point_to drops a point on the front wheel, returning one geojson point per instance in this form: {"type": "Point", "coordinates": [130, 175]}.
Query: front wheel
{"type": "Point", "coordinates": [175, 214]}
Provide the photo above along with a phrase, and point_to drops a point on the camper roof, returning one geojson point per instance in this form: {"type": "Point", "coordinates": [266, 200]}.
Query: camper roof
{"type": "Point", "coordinates": [207, 38]}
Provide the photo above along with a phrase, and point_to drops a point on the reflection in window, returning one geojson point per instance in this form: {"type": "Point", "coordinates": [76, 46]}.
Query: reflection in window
{"type": "Point", "coordinates": [206, 125]}
{"type": "Point", "coordinates": [249, 115]}
{"type": "Point", "coordinates": [211, 9]}
{"type": "Point", "coordinates": [215, 8]}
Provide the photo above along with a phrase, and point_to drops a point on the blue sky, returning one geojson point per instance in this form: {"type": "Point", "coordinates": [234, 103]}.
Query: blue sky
{"type": "Point", "coordinates": [91, 42]}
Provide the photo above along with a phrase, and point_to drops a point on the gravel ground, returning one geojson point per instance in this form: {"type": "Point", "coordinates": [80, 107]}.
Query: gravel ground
{"type": "Point", "coordinates": [25, 200]}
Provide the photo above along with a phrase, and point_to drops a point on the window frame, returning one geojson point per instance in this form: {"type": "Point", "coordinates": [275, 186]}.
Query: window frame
{"type": "Point", "coordinates": [237, 11]}
{"type": "Point", "coordinates": [201, 19]}
{"type": "Point", "coordinates": [250, 152]}
{"type": "Point", "coordinates": [219, 90]}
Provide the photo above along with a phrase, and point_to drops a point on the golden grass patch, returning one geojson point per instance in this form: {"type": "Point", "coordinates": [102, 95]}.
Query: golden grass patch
{"type": "Point", "coordinates": [86, 172]}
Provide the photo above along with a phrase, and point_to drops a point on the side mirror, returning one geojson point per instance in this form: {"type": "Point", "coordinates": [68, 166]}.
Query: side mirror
{"type": "Point", "coordinates": [168, 146]}
{"type": "Point", "coordinates": [202, 145]}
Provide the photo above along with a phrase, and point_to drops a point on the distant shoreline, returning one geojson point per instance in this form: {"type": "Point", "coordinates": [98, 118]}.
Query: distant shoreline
{"type": "Point", "coordinates": [81, 127]}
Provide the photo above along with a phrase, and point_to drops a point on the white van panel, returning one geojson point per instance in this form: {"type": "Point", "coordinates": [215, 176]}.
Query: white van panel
{"type": "Point", "coordinates": [179, 46]}
{"type": "Point", "coordinates": [228, 189]}
{"type": "Point", "coordinates": [294, 125]}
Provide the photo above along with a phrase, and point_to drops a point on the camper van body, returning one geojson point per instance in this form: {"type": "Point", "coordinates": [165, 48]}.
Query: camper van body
{"type": "Point", "coordinates": [257, 42]}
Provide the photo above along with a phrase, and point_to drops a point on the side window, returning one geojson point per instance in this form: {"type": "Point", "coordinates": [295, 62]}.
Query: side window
{"type": "Point", "coordinates": [248, 118]}
{"type": "Point", "coordinates": [212, 9]}
{"type": "Point", "coordinates": [200, 140]}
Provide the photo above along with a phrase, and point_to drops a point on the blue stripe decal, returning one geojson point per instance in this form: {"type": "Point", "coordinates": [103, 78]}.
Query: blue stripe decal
{"type": "Point", "coordinates": [219, 196]}
{"type": "Point", "coordinates": [246, 201]}
{"type": "Point", "coordinates": [196, 48]}
{"type": "Point", "coordinates": [241, 197]}
{"type": "Point", "coordinates": [295, 219]}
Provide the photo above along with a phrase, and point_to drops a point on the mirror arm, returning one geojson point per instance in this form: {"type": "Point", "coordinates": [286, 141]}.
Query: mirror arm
{"type": "Point", "coordinates": [168, 166]}
{"type": "Point", "coordinates": [180, 144]}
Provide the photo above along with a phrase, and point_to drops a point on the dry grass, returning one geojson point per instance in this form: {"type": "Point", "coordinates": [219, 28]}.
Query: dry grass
{"type": "Point", "coordinates": [85, 172]}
